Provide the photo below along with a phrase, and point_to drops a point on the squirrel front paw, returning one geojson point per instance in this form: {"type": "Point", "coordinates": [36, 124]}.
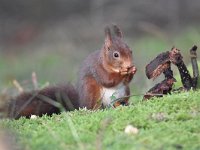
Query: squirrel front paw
{"type": "Point", "coordinates": [130, 70]}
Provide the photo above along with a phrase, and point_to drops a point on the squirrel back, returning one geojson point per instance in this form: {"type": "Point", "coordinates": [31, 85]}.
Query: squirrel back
{"type": "Point", "coordinates": [104, 74]}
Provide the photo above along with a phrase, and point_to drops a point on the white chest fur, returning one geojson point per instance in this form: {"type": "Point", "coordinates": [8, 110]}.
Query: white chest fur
{"type": "Point", "coordinates": [107, 94]}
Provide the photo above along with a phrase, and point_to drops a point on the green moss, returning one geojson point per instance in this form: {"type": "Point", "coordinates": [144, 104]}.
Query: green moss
{"type": "Point", "coordinates": [171, 122]}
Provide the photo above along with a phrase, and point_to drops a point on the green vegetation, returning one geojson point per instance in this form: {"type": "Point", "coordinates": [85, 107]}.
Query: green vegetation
{"type": "Point", "coordinates": [171, 122]}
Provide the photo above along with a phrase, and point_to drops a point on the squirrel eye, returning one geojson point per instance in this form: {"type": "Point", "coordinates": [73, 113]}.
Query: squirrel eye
{"type": "Point", "coordinates": [116, 54]}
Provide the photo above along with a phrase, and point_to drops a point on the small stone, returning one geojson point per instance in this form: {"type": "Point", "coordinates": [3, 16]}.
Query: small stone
{"type": "Point", "coordinates": [33, 117]}
{"type": "Point", "coordinates": [131, 130]}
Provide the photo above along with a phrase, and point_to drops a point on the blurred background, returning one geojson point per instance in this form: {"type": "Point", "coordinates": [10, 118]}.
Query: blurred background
{"type": "Point", "coordinates": [52, 37]}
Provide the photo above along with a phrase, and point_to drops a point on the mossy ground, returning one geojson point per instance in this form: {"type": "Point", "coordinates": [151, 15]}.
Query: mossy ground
{"type": "Point", "coordinates": [171, 122]}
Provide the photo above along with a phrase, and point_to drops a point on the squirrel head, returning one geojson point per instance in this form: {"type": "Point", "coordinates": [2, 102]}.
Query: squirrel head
{"type": "Point", "coordinates": [115, 52]}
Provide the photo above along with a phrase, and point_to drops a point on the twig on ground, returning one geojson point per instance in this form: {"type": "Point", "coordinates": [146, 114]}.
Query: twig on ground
{"type": "Point", "coordinates": [34, 80]}
{"type": "Point", "coordinates": [18, 86]}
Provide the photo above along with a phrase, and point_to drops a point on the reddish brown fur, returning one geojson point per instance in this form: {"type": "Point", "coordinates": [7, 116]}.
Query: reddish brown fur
{"type": "Point", "coordinates": [93, 90]}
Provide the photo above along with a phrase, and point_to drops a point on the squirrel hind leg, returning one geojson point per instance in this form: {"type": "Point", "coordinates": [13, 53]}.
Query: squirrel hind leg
{"type": "Point", "coordinates": [90, 94]}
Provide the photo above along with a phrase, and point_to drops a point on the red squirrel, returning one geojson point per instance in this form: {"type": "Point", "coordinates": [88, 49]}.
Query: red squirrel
{"type": "Point", "coordinates": [104, 73]}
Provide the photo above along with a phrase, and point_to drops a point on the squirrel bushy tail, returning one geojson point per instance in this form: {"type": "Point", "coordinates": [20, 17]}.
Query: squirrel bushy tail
{"type": "Point", "coordinates": [52, 99]}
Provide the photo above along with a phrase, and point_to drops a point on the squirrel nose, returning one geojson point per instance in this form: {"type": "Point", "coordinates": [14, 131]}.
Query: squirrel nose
{"type": "Point", "coordinates": [127, 64]}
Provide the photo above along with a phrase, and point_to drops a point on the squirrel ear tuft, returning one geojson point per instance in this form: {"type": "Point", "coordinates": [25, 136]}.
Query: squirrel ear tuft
{"type": "Point", "coordinates": [117, 30]}
{"type": "Point", "coordinates": [108, 37]}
